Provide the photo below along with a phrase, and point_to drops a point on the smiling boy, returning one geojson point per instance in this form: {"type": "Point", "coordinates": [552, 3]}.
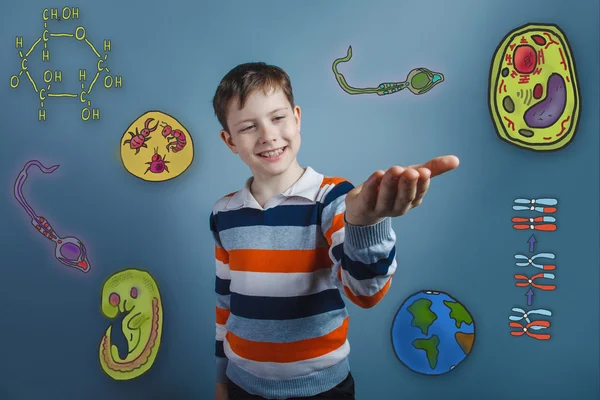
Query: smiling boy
{"type": "Point", "coordinates": [290, 243]}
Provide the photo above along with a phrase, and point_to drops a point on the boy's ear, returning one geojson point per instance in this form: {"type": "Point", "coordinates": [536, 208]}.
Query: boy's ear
{"type": "Point", "coordinates": [226, 137]}
{"type": "Point", "coordinates": [297, 115]}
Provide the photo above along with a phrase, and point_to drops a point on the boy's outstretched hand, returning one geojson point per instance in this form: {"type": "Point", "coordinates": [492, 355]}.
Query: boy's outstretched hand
{"type": "Point", "coordinates": [393, 192]}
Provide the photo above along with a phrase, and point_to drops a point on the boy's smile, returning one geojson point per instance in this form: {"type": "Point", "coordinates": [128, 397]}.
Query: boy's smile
{"type": "Point", "coordinates": [273, 155]}
{"type": "Point", "coordinates": [266, 135]}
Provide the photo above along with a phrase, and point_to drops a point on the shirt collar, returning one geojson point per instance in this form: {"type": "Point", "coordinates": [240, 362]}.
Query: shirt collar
{"type": "Point", "coordinates": [307, 187]}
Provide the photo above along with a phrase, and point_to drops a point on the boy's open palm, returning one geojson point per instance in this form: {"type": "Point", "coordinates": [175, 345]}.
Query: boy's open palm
{"type": "Point", "coordinates": [393, 192]}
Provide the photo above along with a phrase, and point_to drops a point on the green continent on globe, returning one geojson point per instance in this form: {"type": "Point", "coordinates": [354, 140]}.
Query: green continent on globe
{"type": "Point", "coordinates": [423, 317]}
{"type": "Point", "coordinates": [430, 345]}
{"type": "Point", "coordinates": [458, 313]}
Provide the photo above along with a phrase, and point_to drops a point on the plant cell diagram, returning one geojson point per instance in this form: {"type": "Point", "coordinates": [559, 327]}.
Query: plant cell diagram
{"type": "Point", "coordinates": [534, 97]}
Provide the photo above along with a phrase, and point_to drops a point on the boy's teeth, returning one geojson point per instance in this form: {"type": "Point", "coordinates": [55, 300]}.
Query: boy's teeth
{"type": "Point", "coordinates": [272, 153]}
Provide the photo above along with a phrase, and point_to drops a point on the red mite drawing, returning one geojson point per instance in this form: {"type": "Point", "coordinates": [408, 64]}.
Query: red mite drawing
{"type": "Point", "coordinates": [158, 163]}
{"type": "Point", "coordinates": [179, 142]}
{"type": "Point", "coordinates": [139, 139]}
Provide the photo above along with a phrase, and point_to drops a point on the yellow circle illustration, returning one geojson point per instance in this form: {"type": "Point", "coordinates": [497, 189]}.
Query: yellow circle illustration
{"type": "Point", "coordinates": [156, 147]}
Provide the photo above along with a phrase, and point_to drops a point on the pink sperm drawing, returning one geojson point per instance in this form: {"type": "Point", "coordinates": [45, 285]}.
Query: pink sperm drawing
{"type": "Point", "coordinates": [69, 250]}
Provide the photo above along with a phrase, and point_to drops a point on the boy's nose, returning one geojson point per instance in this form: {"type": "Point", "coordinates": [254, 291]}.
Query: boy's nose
{"type": "Point", "coordinates": [268, 135]}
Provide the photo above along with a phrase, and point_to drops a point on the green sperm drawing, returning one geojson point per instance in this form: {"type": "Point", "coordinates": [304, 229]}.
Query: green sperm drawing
{"type": "Point", "coordinates": [418, 81]}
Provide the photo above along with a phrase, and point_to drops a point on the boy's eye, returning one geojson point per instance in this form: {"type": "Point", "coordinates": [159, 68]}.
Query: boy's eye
{"type": "Point", "coordinates": [246, 128]}
{"type": "Point", "coordinates": [280, 117]}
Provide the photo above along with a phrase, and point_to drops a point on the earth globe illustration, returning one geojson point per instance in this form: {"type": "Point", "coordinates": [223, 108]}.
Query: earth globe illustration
{"type": "Point", "coordinates": [432, 332]}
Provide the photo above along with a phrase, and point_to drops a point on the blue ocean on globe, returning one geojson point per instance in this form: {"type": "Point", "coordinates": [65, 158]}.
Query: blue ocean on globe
{"type": "Point", "coordinates": [432, 332]}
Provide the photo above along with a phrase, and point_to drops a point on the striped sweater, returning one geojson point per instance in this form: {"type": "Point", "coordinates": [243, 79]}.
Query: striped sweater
{"type": "Point", "coordinates": [281, 321]}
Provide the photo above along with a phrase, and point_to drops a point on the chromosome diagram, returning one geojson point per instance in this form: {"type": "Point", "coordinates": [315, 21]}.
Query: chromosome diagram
{"type": "Point", "coordinates": [540, 263]}
{"type": "Point", "coordinates": [51, 78]}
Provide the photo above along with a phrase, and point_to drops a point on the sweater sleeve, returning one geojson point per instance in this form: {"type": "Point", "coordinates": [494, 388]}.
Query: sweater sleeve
{"type": "Point", "coordinates": [222, 282]}
{"type": "Point", "coordinates": [364, 257]}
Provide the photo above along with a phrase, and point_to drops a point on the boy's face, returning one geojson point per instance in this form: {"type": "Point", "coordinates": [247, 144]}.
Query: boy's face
{"type": "Point", "coordinates": [261, 130]}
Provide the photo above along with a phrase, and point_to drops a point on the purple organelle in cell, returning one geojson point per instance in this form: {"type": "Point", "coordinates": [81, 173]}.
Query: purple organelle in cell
{"type": "Point", "coordinates": [548, 111]}
{"type": "Point", "coordinates": [69, 250]}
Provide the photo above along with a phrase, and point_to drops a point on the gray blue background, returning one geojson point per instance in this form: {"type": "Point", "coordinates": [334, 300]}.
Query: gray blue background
{"type": "Point", "coordinates": [460, 240]}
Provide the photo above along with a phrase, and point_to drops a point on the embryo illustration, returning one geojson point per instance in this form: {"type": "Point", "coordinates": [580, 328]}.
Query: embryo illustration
{"type": "Point", "coordinates": [129, 346]}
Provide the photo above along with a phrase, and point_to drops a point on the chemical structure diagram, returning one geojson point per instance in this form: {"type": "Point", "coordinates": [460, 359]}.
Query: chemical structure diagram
{"type": "Point", "coordinates": [53, 76]}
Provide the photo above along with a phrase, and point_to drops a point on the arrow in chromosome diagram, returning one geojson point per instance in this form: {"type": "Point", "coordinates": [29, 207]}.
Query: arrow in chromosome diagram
{"type": "Point", "coordinates": [529, 296]}
{"type": "Point", "coordinates": [531, 242]}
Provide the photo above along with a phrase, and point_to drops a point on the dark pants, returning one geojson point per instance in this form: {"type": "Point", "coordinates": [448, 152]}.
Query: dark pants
{"type": "Point", "coordinates": [345, 390]}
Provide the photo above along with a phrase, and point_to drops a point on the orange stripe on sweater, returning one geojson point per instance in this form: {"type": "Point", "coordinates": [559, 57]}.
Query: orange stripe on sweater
{"type": "Point", "coordinates": [221, 255]}
{"type": "Point", "coordinates": [331, 180]}
{"type": "Point", "coordinates": [222, 315]}
{"type": "Point", "coordinates": [336, 224]}
{"type": "Point", "coordinates": [289, 352]}
{"type": "Point", "coordinates": [366, 301]}
{"type": "Point", "coordinates": [251, 260]}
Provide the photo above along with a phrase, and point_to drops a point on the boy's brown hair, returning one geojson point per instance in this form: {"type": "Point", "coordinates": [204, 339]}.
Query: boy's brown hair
{"type": "Point", "coordinates": [242, 80]}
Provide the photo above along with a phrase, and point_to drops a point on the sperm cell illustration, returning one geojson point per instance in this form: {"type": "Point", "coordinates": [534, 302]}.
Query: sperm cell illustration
{"type": "Point", "coordinates": [418, 81]}
{"type": "Point", "coordinates": [69, 250]}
